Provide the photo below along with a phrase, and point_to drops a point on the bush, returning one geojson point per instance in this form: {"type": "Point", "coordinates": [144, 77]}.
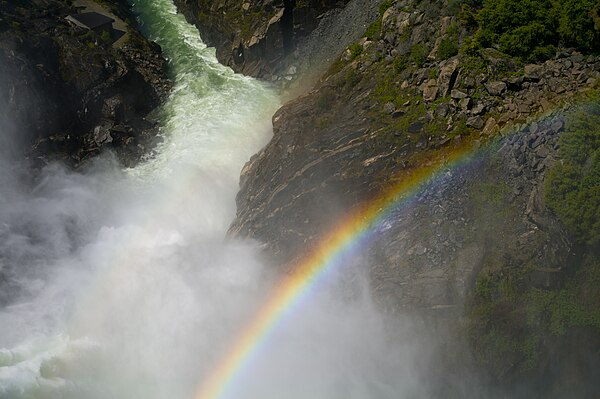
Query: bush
{"type": "Point", "coordinates": [532, 29]}
{"type": "Point", "coordinates": [418, 54]}
{"type": "Point", "coordinates": [577, 24]}
{"type": "Point", "coordinates": [448, 48]}
{"type": "Point", "coordinates": [355, 50]}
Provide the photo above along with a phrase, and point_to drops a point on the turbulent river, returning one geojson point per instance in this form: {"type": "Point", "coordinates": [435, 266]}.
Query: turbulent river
{"type": "Point", "coordinates": [120, 283]}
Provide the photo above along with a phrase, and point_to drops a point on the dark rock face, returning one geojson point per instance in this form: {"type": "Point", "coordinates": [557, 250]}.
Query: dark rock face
{"type": "Point", "coordinates": [255, 37]}
{"type": "Point", "coordinates": [69, 92]}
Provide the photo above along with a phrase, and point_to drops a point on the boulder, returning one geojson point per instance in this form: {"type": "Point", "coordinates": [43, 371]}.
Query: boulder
{"type": "Point", "coordinates": [448, 75]}
{"type": "Point", "coordinates": [430, 90]}
{"type": "Point", "coordinates": [476, 122]}
{"type": "Point", "coordinates": [496, 88]}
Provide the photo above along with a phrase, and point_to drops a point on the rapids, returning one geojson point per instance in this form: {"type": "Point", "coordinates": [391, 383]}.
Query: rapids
{"type": "Point", "coordinates": [121, 283]}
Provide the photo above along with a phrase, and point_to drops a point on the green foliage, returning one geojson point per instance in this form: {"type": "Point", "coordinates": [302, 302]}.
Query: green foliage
{"type": "Point", "coordinates": [374, 30]}
{"type": "Point", "coordinates": [532, 29]}
{"type": "Point", "coordinates": [573, 185]}
{"type": "Point", "coordinates": [351, 78]}
{"type": "Point", "coordinates": [577, 24]}
{"type": "Point", "coordinates": [400, 64]}
{"type": "Point", "coordinates": [467, 16]}
{"type": "Point", "coordinates": [105, 37]}
{"type": "Point", "coordinates": [356, 49]}
{"type": "Point", "coordinates": [383, 7]}
{"type": "Point", "coordinates": [510, 319]}
{"type": "Point", "coordinates": [448, 48]}
{"type": "Point", "coordinates": [419, 53]}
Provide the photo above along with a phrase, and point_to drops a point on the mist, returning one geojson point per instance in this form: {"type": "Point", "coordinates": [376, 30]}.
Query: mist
{"type": "Point", "coordinates": [121, 283]}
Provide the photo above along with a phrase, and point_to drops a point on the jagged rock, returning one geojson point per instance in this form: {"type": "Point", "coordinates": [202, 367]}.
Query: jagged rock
{"type": "Point", "coordinates": [479, 109]}
{"type": "Point", "coordinates": [389, 108]}
{"type": "Point", "coordinates": [430, 90]}
{"type": "Point", "coordinates": [82, 88]}
{"type": "Point", "coordinates": [533, 72]}
{"type": "Point", "coordinates": [491, 127]}
{"type": "Point", "coordinates": [458, 95]}
{"type": "Point", "coordinates": [448, 76]}
{"type": "Point", "coordinates": [496, 88]}
{"type": "Point", "coordinates": [557, 126]}
{"type": "Point", "coordinates": [475, 122]}
{"type": "Point", "coordinates": [515, 83]}
{"type": "Point", "coordinates": [465, 104]}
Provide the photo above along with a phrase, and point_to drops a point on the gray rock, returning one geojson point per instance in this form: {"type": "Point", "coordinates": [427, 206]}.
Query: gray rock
{"type": "Point", "coordinates": [496, 88]}
{"type": "Point", "coordinates": [479, 109]}
{"type": "Point", "coordinates": [389, 108]}
{"type": "Point", "coordinates": [557, 126]}
{"type": "Point", "coordinates": [430, 90]}
{"type": "Point", "coordinates": [543, 151]}
{"type": "Point", "coordinates": [533, 72]}
{"type": "Point", "coordinates": [448, 76]}
{"type": "Point", "coordinates": [416, 127]}
{"type": "Point", "coordinates": [465, 104]}
{"type": "Point", "coordinates": [458, 95]}
{"type": "Point", "coordinates": [475, 122]}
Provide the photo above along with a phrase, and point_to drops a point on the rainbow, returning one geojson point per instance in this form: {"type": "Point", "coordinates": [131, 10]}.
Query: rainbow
{"type": "Point", "coordinates": [345, 241]}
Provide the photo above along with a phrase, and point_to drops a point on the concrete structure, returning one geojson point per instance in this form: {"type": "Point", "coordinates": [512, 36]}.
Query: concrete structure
{"type": "Point", "coordinates": [93, 21]}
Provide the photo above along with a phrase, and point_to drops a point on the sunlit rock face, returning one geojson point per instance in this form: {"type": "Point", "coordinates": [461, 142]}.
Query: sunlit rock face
{"type": "Point", "coordinates": [73, 91]}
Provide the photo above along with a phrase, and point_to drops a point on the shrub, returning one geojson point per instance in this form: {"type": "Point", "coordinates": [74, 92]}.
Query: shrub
{"type": "Point", "coordinates": [355, 50]}
{"type": "Point", "coordinates": [418, 54]}
{"type": "Point", "coordinates": [448, 48]}
{"type": "Point", "coordinates": [531, 29]}
{"type": "Point", "coordinates": [374, 30]}
{"type": "Point", "coordinates": [577, 24]}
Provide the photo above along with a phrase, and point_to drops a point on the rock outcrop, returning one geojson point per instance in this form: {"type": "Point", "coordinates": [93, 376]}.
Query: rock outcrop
{"type": "Point", "coordinates": [70, 92]}
{"type": "Point", "coordinates": [379, 113]}
{"type": "Point", "coordinates": [279, 40]}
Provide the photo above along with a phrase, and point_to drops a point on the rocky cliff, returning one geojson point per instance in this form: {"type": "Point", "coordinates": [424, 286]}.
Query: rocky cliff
{"type": "Point", "coordinates": [479, 247]}
{"type": "Point", "coordinates": [70, 92]}
{"type": "Point", "coordinates": [279, 40]}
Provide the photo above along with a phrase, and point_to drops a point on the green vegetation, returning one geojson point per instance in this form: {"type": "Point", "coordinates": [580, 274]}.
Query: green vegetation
{"type": "Point", "coordinates": [533, 29]}
{"type": "Point", "coordinates": [355, 50]}
{"type": "Point", "coordinates": [449, 43]}
{"type": "Point", "coordinates": [418, 54]}
{"type": "Point", "coordinates": [105, 37]}
{"type": "Point", "coordinates": [374, 30]}
{"type": "Point", "coordinates": [448, 48]}
{"type": "Point", "coordinates": [511, 321]}
{"type": "Point", "coordinates": [573, 185]}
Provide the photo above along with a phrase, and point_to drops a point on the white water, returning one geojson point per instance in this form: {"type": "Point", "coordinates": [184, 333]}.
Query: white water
{"type": "Point", "coordinates": [125, 287]}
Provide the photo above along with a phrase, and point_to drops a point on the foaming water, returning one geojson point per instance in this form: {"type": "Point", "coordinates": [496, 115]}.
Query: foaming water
{"type": "Point", "coordinates": [120, 284]}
